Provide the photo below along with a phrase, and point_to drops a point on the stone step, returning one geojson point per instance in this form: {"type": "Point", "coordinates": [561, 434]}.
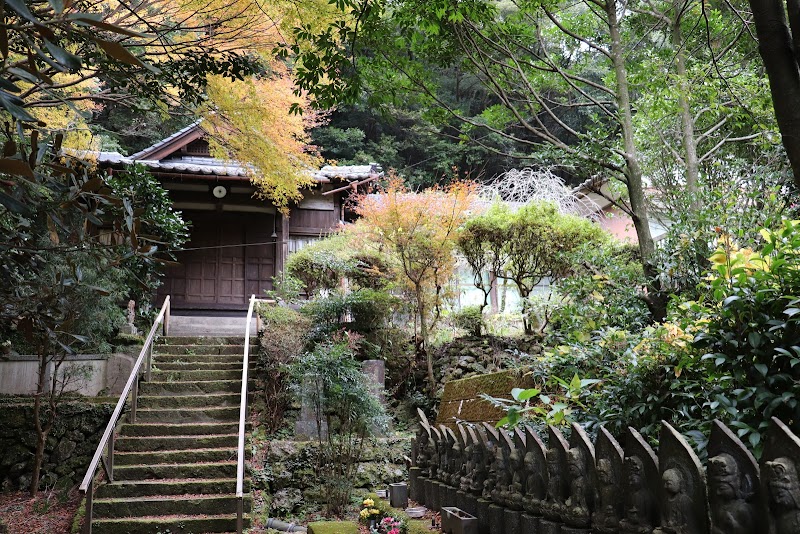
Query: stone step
{"type": "Point", "coordinates": [173, 524]}
{"type": "Point", "coordinates": [207, 400]}
{"type": "Point", "coordinates": [169, 443]}
{"type": "Point", "coordinates": [144, 429]}
{"type": "Point", "coordinates": [172, 471]}
{"type": "Point", "coordinates": [200, 366]}
{"type": "Point", "coordinates": [192, 376]}
{"type": "Point", "coordinates": [161, 505]}
{"type": "Point", "coordinates": [188, 415]}
{"type": "Point", "coordinates": [203, 350]}
{"type": "Point", "coordinates": [200, 358]}
{"type": "Point", "coordinates": [176, 456]}
{"type": "Point", "coordinates": [199, 387]}
{"type": "Point", "coordinates": [205, 340]}
{"type": "Point", "coordinates": [142, 488]}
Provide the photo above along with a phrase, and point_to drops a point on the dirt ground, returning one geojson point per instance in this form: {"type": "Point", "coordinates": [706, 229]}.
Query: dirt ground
{"type": "Point", "coordinates": [50, 512]}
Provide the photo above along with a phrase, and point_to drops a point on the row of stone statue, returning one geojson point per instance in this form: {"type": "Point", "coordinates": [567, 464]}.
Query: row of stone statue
{"type": "Point", "coordinates": [574, 486]}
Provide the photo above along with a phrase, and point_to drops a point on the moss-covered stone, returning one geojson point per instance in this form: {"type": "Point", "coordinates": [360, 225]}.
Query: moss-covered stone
{"type": "Point", "coordinates": [461, 398]}
{"type": "Point", "coordinates": [333, 527]}
{"type": "Point", "coordinates": [71, 442]}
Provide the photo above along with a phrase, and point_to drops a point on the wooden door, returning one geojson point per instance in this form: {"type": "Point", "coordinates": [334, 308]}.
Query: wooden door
{"type": "Point", "coordinates": [218, 271]}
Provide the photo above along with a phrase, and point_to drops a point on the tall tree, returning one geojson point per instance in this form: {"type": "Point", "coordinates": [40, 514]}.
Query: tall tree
{"type": "Point", "coordinates": [779, 46]}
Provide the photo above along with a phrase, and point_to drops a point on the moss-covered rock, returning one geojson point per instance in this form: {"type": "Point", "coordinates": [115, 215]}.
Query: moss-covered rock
{"type": "Point", "coordinates": [461, 398]}
{"type": "Point", "coordinates": [70, 445]}
{"type": "Point", "coordinates": [333, 527]}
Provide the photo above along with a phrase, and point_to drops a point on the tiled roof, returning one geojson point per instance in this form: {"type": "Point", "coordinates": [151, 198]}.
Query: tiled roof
{"type": "Point", "coordinates": [165, 141]}
{"type": "Point", "coordinates": [219, 167]}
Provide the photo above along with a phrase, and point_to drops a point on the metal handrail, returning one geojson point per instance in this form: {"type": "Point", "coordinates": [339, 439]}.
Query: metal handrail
{"type": "Point", "coordinates": [132, 386]}
{"type": "Point", "coordinates": [242, 417]}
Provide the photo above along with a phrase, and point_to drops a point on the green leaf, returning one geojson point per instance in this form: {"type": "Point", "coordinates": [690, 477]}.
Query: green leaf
{"type": "Point", "coordinates": [761, 368]}
{"type": "Point", "coordinates": [122, 54]}
{"type": "Point", "coordinates": [13, 105]}
{"type": "Point", "coordinates": [86, 19]}
{"type": "Point", "coordinates": [70, 61]}
{"type": "Point", "coordinates": [524, 394]}
{"type": "Point", "coordinates": [22, 9]}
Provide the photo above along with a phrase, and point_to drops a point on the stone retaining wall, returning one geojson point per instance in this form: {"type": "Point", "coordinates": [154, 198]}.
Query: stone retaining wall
{"type": "Point", "coordinates": [69, 447]}
{"type": "Point", "coordinates": [286, 471]}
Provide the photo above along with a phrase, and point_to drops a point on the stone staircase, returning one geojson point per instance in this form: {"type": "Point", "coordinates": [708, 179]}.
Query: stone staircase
{"type": "Point", "coordinates": [175, 468]}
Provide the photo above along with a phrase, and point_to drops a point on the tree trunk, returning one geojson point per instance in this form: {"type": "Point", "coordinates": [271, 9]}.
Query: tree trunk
{"type": "Point", "coordinates": [633, 169]}
{"type": "Point", "coordinates": [687, 121]}
{"type": "Point", "coordinates": [423, 333]}
{"type": "Point", "coordinates": [776, 49]}
{"type": "Point", "coordinates": [41, 437]}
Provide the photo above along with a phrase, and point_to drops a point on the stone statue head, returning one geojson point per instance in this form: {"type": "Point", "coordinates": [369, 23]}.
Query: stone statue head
{"type": "Point", "coordinates": [553, 460]}
{"type": "Point", "coordinates": [604, 471]}
{"type": "Point", "coordinates": [634, 469]}
{"type": "Point", "coordinates": [575, 462]}
{"type": "Point", "coordinates": [673, 481]}
{"type": "Point", "coordinates": [723, 475]}
{"type": "Point", "coordinates": [782, 483]}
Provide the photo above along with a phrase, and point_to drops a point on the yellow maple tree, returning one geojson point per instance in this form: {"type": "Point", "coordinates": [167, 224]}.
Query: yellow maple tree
{"type": "Point", "coordinates": [419, 231]}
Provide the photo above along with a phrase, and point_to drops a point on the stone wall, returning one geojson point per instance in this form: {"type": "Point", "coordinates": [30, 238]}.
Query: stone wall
{"type": "Point", "coordinates": [286, 471]}
{"type": "Point", "coordinates": [519, 481]}
{"type": "Point", "coordinates": [469, 356]}
{"type": "Point", "coordinates": [91, 374]}
{"type": "Point", "coordinates": [69, 447]}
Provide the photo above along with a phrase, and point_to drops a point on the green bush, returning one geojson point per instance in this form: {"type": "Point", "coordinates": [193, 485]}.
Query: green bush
{"type": "Point", "coordinates": [321, 265]}
{"type": "Point", "coordinates": [469, 318]}
{"type": "Point", "coordinates": [362, 310]}
{"type": "Point", "coordinates": [330, 381]}
{"type": "Point", "coordinates": [282, 339]}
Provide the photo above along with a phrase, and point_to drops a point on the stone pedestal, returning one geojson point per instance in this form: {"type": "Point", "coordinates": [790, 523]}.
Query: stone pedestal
{"type": "Point", "coordinates": [497, 519]}
{"type": "Point", "coordinates": [305, 428]}
{"type": "Point", "coordinates": [461, 502]}
{"type": "Point", "coordinates": [414, 480]}
{"type": "Point", "coordinates": [483, 516]}
{"type": "Point", "coordinates": [428, 493]}
{"type": "Point", "coordinates": [513, 522]}
{"type": "Point", "coordinates": [530, 524]}
{"type": "Point", "coordinates": [398, 495]}
{"type": "Point", "coordinates": [436, 496]}
{"type": "Point", "coordinates": [549, 527]}
{"type": "Point", "coordinates": [449, 497]}
{"type": "Point", "coordinates": [472, 504]}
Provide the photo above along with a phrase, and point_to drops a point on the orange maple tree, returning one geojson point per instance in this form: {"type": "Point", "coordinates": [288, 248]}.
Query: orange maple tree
{"type": "Point", "coordinates": [418, 230]}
